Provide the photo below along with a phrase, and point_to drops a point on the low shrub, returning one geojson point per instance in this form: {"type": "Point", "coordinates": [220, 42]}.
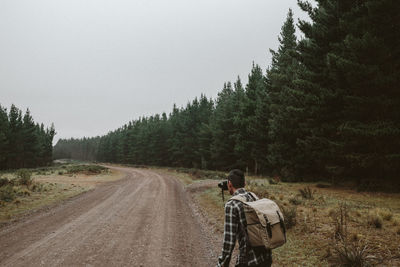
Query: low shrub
{"type": "Point", "coordinates": [340, 217]}
{"type": "Point", "coordinates": [295, 201]}
{"type": "Point", "coordinates": [273, 181]}
{"type": "Point", "coordinates": [86, 169]}
{"type": "Point", "coordinates": [24, 192]}
{"type": "Point", "coordinates": [289, 216]}
{"type": "Point", "coordinates": [60, 173]}
{"type": "Point", "coordinates": [37, 187]}
{"type": "Point", "coordinates": [375, 220]}
{"type": "Point", "coordinates": [14, 182]}
{"type": "Point", "coordinates": [386, 215]}
{"type": "Point", "coordinates": [352, 254]}
{"type": "Point", "coordinates": [307, 193]}
{"type": "Point", "coordinates": [4, 181]}
{"type": "Point", "coordinates": [7, 193]}
{"type": "Point", "coordinates": [24, 176]}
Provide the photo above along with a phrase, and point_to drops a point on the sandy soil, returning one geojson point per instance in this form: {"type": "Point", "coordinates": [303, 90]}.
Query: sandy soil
{"type": "Point", "coordinates": [144, 219]}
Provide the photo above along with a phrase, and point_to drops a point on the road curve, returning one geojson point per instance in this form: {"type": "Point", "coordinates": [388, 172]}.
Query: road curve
{"type": "Point", "coordinates": [143, 219]}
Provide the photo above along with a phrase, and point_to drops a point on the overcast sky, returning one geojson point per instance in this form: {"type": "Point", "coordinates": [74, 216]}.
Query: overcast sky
{"type": "Point", "coordinates": [92, 66]}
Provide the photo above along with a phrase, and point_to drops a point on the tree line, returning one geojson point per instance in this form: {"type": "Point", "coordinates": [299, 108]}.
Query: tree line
{"type": "Point", "coordinates": [23, 143]}
{"type": "Point", "coordinates": [327, 107]}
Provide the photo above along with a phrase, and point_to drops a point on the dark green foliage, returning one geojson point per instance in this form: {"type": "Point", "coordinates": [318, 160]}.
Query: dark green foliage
{"type": "Point", "coordinates": [284, 127]}
{"type": "Point", "coordinates": [327, 109]}
{"type": "Point", "coordinates": [83, 149]}
{"type": "Point", "coordinates": [23, 144]}
{"type": "Point", "coordinates": [349, 84]}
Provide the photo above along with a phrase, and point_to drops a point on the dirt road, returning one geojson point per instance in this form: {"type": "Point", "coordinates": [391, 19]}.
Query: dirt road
{"type": "Point", "coordinates": [143, 219]}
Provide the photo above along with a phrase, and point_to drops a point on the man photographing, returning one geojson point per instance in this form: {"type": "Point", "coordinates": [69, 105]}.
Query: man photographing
{"type": "Point", "coordinates": [235, 228]}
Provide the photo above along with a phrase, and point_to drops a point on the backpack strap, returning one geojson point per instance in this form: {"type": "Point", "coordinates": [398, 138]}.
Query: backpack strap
{"type": "Point", "coordinates": [243, 199]}
{"type": "Point", "coordinates": [240, 198]}
{"type": "Point", "coordinates": [254, 196]}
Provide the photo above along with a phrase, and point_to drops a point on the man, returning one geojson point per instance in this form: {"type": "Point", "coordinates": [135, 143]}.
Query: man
{"type": "Point", "coordinates": [236, 228]}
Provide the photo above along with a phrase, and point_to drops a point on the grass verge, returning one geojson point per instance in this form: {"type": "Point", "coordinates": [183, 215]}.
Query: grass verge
{"type": "Point", "coordinates": [369, 227]}
{"type": "Point", "coordinates": [47, 186]}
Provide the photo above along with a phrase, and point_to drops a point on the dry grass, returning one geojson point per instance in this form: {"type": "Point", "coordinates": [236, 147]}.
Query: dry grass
{"type": "Point", "coordinates": [310, 240]}
{"type": "Point", "coordinates": [49, 189]}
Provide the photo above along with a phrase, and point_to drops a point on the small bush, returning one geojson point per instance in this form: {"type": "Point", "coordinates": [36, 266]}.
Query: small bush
{"type": "Point", "coordinates": [24, 177]}
{"type": "Point", "coordinates": [386, 215]}
{"type": "Point", "coordinates": [307, 193]}
{"type": "Point", "coordinates": [7, 193]}
{"type": "Point", "coordinates": [60, 173]}
{"type": "Point", "coordinates": [295, 201]}
{"type": "Point", "coordinates": [289, 215]}
{"type": "Point", "coordinates": [14, 182]}
{"type": "Point", "coordinates": [24, 192]}
{"type": "Point", "coordinates": [340, 217]}
{"type": "Point", "coordinates": [4, 182]}
{"type": "Point", "coordinates": [37, 187]}
{"type": "Point", "coordinates": [87, 169]}
{"type": "Point", "coordinates": [352, 254]}
{"type": "Point", "coordinates": [375, 220]}
{"type": "Point", "coordinates": [273, 181]}
{"type": "Point", "coordinates": [354, 237]}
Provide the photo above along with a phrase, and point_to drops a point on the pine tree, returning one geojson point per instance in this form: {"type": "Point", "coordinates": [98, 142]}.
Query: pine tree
{"type": "Point", "coordinates": [283, 154]}
{"type": "Point", "coordinates": [15, 141]}
{"type": "Point", "coordinates": [30, 155]}
{"type": "Point", "coordinates": [366, 67]}
{"type": "Point", "coordinates": [223, 130]}
{"type": "Point", "coordinates": [241, 125]}
{"type": "Point", "coordinates": [4, 128]}
{"type": "Point", "coordinates": [319, 98]}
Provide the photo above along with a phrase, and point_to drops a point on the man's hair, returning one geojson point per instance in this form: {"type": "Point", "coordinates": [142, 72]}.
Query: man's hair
{"type": "Point", "coordinates": [237, 178]}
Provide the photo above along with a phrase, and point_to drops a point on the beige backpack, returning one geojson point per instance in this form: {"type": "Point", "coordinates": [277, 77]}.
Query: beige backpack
{"type": "Point", "coordinates": [265, 224]}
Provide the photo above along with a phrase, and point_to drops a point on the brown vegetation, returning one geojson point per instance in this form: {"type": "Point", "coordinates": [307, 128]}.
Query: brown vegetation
{"type": "Point", "coordinates": [328, 225]}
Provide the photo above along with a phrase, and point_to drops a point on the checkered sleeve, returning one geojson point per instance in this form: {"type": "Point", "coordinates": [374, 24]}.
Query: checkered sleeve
{"type": "Point", "coordinates": [230, 230]}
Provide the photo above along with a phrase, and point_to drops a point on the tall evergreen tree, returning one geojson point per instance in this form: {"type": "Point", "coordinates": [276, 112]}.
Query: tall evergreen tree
{"type": "Point", "coordinates": [15, 141]}
{"type": "Point", "coordinates": [284, 129]}
{"type": "Point", "coordinates": [319, 99]}
{"type": "Point", "coordinates": [366, 67]}
{"type": "Point", "coordinates": [223, 130]}
{"type": "Point", "coordinates": [29, 141]}
{"type": "Point", "coordinates": [4, 128]}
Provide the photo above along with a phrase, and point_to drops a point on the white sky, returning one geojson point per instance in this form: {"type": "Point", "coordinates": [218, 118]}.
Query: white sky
{"type": "Point", "coordinates": [91, 66]}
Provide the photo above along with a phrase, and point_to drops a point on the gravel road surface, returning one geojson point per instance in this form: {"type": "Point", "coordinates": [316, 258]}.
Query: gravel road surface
{"type": "Point", "coordinates": [144, 219]}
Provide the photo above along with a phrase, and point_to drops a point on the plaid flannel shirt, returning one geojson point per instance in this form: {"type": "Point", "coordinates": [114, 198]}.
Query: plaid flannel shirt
{"type": "Point", "coordinates": [236, 228]}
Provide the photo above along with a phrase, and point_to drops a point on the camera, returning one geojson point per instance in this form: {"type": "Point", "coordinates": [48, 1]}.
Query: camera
{"type": "Point", "coordinates": [223, 185]}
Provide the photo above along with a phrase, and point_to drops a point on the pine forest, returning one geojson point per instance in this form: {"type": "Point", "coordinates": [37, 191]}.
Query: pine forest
{"type": "Point", "coordinates": [327, 108]}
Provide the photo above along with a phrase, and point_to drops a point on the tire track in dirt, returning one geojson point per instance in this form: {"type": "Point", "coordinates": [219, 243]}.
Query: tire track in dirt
{"type": "Point", "coordinates": [142, 220]}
